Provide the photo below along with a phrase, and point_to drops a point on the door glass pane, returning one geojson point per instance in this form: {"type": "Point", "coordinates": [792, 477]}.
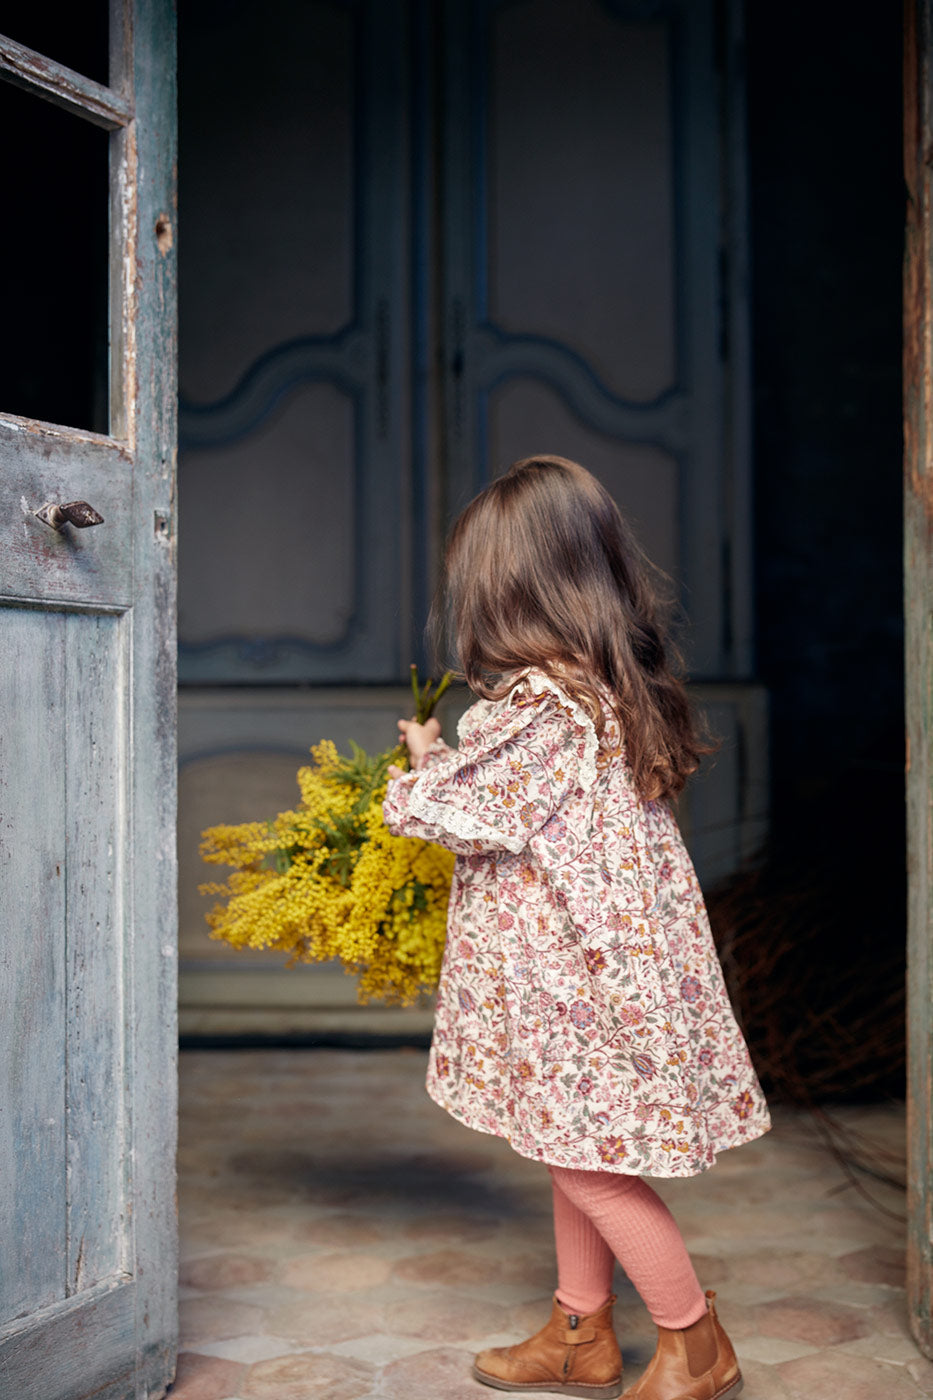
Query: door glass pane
{"type": "Point", "coordinates": [77, 35]}
{"type": "Point", "coordinates": [54, 240]}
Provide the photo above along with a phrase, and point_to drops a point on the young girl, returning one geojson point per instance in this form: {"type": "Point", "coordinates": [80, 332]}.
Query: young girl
{"type": "Point", "coordinates": [582, 1013]}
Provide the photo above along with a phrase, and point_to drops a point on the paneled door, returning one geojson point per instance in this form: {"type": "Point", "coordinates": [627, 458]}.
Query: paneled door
{"type": "Point", "coordinates": [295, 342]}
{"type": "Point", "coordinates": [424, 238]}
{"type": "Point", "coordinates": [594, 269]}
{"type": "Point", "coordinates": [87, 680]}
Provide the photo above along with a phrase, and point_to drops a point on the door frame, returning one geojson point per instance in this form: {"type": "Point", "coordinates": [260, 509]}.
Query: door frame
{"type": "Point", "coordinates": [918, 594]}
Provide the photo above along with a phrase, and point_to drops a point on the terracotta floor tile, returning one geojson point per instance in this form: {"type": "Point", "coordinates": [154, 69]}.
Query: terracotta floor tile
{"type": "Point", "coordinates": [308, 1376]}
{"type": "Point", "coordinates": [447, 1268]}
{"type": "Point", "coordinates": [806, 1319]}
{"type": "Point", "coordinates": [451, 1226]}
{"type": "Point", "coordinates": [250, 1349]}
{"type": "Point", "coordinates": [861, 1295]}
{"type": "Point", "coordinates": [780, 1269]}
{"type": "Point", "coordinates": [223, 1271]}
{"type": "Point", "coordinates": [738, 1315]}
{"type": "Point", "coordinates": [711, 1269]}
{"type": "Point", "coordinates": [509, 1295]}
{"type": "Point", "coordinates": [379, 1349]}
{"type": "Point", "coordinates": [432, 1375]}
{"type": "Point", "coordinates": [877, 1263]}
{"type": "Point", "coordinates": [336, 1273]}
{"type": "Point", "coordinates": [829, 1375]}
{"type": "Point", "coordinates": [530, 1316]}
{"type": "Point", "coordinates": [890, 1316]}
{"type": "Point", "coordinates": [265, 1231]}
{"type": "Point", "coordinates": [322, 1321]}
{"type": "Point", "coordinates": [446, 1317]}
{"type": "Point", "coordinates": [264, 1295]}
{"type": "Point", "coordinates": [343, 1230]}
{"type": "Point", "coordinates": [214, 1318]}
{"type": "Point", "coordinates": [771, 1350]}
{"type": "Point", "coordinates": [528, 1267]}
{"type": "Point", "coordinates": [763, 1382]}
{"type": "Point", "coordinates": [200, 1377]}
{"type": "Point", "coordinates": [896, 1348]}
{"type": "Point", "coordinates": [853, 1220]}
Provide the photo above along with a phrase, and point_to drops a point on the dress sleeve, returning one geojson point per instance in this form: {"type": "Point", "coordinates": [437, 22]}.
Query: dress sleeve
{"type": "Point", "coordinates": [516, 764]}
{"type": "Point", "coordinates": [437, 752]}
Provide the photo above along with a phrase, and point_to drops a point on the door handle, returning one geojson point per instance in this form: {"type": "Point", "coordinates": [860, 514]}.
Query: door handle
{"type": "Point", "coordinates": [77, 513]}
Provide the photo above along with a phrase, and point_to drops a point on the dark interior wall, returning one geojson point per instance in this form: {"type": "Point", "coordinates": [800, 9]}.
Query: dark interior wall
{"type": "Point", "coordinates": [817, 934]}
{"type": "Point", "coordinates": [827, 209]}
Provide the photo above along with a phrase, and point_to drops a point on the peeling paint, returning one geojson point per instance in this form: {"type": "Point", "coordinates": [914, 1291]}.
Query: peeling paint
{"type": "Point", "coordinates": [163, 232]}
{"type": "Point", "coordinates": [33, 71]}
{"type": "Point", "coordinates": [59, 432]}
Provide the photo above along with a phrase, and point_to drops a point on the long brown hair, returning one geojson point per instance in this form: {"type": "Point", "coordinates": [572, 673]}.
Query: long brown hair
{"type": "Point", "coordinates": [542, 571]}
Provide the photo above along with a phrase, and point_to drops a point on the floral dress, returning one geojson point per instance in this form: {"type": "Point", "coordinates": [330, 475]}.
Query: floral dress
{"type": "Point", "coordinates": [582, 1013]}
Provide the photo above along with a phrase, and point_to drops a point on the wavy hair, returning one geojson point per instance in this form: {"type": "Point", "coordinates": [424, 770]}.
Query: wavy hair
{"type": "Point", "coordinates": [542, 571]}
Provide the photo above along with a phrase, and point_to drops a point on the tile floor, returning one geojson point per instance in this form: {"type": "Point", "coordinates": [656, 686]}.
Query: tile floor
{"type": "Point", "coordinates": [343, 1239]}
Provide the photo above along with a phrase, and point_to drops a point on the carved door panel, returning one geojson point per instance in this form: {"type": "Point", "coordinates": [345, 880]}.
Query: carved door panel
{"type": "Point", "coordinates": [294, 375]}
{"type": "Point", "coordinates": [594, 246]}
{"type": "Point", "coordinates": [437, 238]}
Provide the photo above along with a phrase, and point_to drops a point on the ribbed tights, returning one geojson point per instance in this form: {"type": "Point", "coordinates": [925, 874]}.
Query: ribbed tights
{"type": "Point", "coordinates": [601, 1214]}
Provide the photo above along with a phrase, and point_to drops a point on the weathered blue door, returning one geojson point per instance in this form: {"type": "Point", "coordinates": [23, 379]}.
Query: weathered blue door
{"type": "Point", "coordinates": [87, 862]}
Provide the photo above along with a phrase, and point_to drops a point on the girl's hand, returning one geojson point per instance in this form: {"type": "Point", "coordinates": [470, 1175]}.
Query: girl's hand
{"type": "Point", "coordinates": [418, 737]}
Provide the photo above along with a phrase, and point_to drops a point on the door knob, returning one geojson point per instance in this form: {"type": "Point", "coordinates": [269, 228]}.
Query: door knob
{"type": "Point", "coordinates": [77, 513]}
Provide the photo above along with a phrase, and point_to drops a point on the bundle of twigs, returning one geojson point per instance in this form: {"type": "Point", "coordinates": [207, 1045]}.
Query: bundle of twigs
{"type": "Point", "coordinates": [817, 984]}
{"type": "Point", "coordinates": [815, 970]}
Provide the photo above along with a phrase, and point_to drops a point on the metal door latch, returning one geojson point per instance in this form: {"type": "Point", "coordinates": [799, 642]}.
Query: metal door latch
{"type": "Point", "coordinates": [77, 513]}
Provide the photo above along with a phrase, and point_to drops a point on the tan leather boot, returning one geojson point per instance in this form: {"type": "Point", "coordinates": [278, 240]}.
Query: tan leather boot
{"type": "Point", "coordinates": [695, 1363]}
{"type": "Point", "coordinates": [572, 1355]}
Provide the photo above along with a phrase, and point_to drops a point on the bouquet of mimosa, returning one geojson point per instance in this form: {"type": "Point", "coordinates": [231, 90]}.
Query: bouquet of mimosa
{"type": "Point", "coordinates": [328, 880]}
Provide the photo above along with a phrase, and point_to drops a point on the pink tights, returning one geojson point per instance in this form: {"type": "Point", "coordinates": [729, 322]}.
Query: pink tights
{"type": "Point", "coordinates": [601, 1214]}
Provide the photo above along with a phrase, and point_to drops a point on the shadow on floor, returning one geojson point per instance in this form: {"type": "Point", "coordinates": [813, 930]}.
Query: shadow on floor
{"type": "Point", "coordinates": [344, 1239]}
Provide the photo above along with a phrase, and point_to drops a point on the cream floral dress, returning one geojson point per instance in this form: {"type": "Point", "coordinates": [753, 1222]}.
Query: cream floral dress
{"type": "Point", "coordinates": [582, 1012]}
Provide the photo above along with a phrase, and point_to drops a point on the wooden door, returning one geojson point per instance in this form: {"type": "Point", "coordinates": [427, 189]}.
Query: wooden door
{"type": "Point", "coordinates": [422, 240]}
{"type": "Point", "coordinates": [918, 577]}
{"type": "Point", "coordinates": [475, 230]}
{"type": "Point", "coordinates": [294, 387]}
{"type": "Point", "coordinates": [87, 678]}
{"type": "Point", "coordinates": [595, 274]}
